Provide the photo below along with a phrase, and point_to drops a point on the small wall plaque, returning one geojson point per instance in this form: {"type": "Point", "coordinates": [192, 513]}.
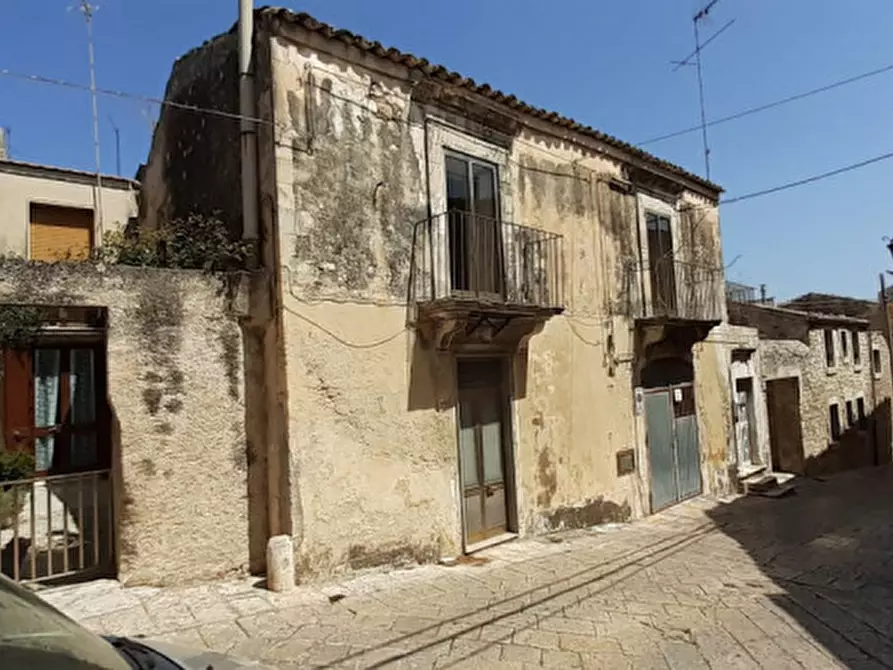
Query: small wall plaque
{"type": "Point", "coordinates": [626, 462]}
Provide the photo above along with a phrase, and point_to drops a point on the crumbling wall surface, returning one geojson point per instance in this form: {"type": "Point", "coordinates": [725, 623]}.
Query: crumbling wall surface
{"type": "Point", "coordinates": [372, 409]}
{"type": "Point", "coordinates": [351, 171]}
{"type": "Point", "coordinates": [176, 394]}
{"type": "Point", "coordinates": [193, 165]}
{"type": "Point", "coordinates": [573, 407]}
{"type": "Point", "coordinates": [374, 463]}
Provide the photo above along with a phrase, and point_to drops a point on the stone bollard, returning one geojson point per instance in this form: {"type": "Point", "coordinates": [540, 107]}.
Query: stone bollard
{"type": "Point", "coordinates": [280, 564]}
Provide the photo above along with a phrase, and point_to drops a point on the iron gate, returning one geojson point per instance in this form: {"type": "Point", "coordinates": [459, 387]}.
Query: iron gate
{"type": "Point", "coordinates": [58, 526]}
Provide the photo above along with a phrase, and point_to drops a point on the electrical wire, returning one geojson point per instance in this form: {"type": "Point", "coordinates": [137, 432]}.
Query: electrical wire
{"type": "Point", "coordinates": [341, 340]}
{"type": "Point", "coordinates": [769, 105]}
{"type": "Point", "coordinates": [807, 180]}
{"type": "Point", "coordinates": [563, 159]}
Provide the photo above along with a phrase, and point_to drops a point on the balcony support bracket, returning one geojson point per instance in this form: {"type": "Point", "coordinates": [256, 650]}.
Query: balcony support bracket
{"type": "Point", "coordinates": [450, 324]}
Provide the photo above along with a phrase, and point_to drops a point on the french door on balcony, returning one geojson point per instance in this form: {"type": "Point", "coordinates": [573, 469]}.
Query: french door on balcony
{"type": "Point", "coordinates": [475, 247]}
{"type": "Point", "coordinates": [662, 268]}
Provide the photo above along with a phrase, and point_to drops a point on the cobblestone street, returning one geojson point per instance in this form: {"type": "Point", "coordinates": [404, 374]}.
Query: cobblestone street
{"type": "Point", "coordinates": [802, 581]}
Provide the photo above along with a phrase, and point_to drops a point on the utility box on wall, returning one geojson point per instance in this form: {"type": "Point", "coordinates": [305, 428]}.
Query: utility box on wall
{"type": "Point", "coordinates": [626, 462]}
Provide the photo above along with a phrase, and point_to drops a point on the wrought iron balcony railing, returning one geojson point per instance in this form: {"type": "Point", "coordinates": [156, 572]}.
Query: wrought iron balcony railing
{"type": "Point", "coordinates": [464, 256]}
{"type": "Point", "coordinates": [675, 289]}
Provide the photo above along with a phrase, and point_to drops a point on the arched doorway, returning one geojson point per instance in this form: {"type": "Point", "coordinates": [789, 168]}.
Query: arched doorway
{"type": "Point", "coordinates": [671, 431]}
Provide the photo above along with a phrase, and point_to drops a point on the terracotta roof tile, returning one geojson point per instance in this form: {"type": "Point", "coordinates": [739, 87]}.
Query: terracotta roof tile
{"type": "Point", "coordinates": [413, 62]}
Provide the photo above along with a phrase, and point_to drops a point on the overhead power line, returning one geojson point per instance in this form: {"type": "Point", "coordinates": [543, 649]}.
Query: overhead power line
{"type": "Point", "coordinates": [235, 116]}
{"type": "Point", "coordinates": [808, 180]}
{"type": "Point", "coordinates": [40, 79]}
{"type": "Point", "coordinates": [769, 105]}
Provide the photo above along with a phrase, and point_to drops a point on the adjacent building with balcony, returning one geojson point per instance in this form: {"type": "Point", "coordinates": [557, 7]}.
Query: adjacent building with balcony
{"type": "Point", "coordinates": [474, 319]}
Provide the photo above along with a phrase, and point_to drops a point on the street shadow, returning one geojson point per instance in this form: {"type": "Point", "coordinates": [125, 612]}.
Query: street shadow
{"type": "Point", "coordinates": [829, 550]}
{"type": "Point", "coordinates": [432, 376]}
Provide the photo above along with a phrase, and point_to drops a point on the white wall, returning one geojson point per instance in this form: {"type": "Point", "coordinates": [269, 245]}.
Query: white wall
{"type": "Point", "coordinates": [18, 191]}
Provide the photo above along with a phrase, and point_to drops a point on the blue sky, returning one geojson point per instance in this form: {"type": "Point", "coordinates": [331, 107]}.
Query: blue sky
{"type": "Point", "coordinates": [602, 62]}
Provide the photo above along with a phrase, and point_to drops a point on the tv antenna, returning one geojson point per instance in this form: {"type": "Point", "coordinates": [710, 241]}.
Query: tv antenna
{"type": "Point", "coordinates": [696, 55]}
{"type": "Point", "coordinates": [88, 10]}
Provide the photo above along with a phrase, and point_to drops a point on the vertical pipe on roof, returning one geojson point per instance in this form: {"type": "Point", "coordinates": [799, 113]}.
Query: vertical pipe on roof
{"type": "Point", "coordinates": [248, 114]}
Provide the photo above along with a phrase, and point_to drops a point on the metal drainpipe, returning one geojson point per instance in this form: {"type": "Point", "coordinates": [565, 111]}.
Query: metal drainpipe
{"type": "Point", "coordinates": [248, 127]}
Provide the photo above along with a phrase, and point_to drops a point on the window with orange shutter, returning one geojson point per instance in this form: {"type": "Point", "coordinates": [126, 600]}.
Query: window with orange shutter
{"type": "Point", "coordinates": [60, 233]}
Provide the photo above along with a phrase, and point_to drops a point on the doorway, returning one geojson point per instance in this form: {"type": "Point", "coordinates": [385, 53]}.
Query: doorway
{"type": "Point", "coordinates": [672, 432]}
{"type": "Point", "coordinates": [785, 428]}
{"type": "Point", "coordinates": [745, 422]}
{"type": "Point", "coordinates": [484, 453]}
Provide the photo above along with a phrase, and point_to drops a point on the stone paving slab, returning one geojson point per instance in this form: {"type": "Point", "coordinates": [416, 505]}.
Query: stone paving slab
{"type": "Point", "coordinates": [804, 581]}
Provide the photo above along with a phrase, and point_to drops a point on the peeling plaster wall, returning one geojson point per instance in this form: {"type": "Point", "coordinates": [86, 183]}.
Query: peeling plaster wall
{"type": "Point", "coordinates": [176, 391]}
{"type": "Point", "coordinates": [372, 417]}
{"type": "Point", "coordinates": [717, 401]}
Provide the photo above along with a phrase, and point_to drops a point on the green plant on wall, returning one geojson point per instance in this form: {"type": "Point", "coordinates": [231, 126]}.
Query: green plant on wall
{"type": "Point", "coordinates": [19, 325]}
{"type": "Point", "coordinates": [195, 243]}
{"type": "Point", "coordinates": [14, 465]}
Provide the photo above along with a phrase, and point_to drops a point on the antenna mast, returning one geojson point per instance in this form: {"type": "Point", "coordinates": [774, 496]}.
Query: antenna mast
{"type": "Point", "coordinates": [696, 20]}
{"type": "Point", "coordinates": [87, 10]}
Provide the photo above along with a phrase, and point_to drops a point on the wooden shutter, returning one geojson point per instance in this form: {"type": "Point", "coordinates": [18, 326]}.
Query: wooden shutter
{"type": "Point", "coordinates": [18, 400]}
{"type": "Point", "coordinates": [59, 233]}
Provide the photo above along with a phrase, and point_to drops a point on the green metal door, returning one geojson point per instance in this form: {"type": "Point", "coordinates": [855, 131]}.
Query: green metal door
{"type": "Point", "coordinates": [662, 460]}
{"type": "Point", "coordinates": [672, 438]}
{"type": "Point", "coordinates": [685, 433]}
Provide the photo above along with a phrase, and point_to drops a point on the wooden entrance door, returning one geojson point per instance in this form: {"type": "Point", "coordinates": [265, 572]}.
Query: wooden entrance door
{"type": "Point", "coordinates": [482, 449]}
{"type": "Point", "coordinates": [785, 428]}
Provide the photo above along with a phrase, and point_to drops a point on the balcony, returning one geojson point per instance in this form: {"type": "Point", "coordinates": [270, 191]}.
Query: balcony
{"type": "Point", "coordinates": [479, 280]}
{"type": "Point", "coordinates": [675, 292]}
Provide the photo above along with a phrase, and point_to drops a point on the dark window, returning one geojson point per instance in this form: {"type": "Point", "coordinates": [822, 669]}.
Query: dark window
{"type": "Point", "coordinates": [876, 361]}
{"type": "Point", "coordinates": [860, 408]}
{"type": "Point", "coordinates": [54, 397]}
{"type": "Point", "coordinates": [857, 351]}
{"type": "Point", "coordinates": [829, 348]}
{"type": "Point", "coordinates": [834, 415]}
{"type": "Point", "coordinates": [661, 266]}
{"type": "Point", "coordinates": [850, 417]}
{"type": "Point", "coordinates": [844, 336]}
{"type": "Point", "coordinates": [474, 236]}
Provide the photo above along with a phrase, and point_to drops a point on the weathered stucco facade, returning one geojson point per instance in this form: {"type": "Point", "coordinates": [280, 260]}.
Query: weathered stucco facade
{"type": "Point", "coordinates": [176, 395]}
{"type": "Point", "coordinates": [360, 434]}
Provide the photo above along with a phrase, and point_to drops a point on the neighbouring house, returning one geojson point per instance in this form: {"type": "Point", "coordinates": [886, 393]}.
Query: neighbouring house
{"type": "Point", "coordinates": [826, 376]}
{"type": "Point", "coordinates": [52, 213]}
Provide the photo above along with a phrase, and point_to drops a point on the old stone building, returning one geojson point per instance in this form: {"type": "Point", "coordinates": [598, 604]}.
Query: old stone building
{"type": "Point", "coordinates": [826, 375]}
{"type": "Point", "coordinates": [474, 319]}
